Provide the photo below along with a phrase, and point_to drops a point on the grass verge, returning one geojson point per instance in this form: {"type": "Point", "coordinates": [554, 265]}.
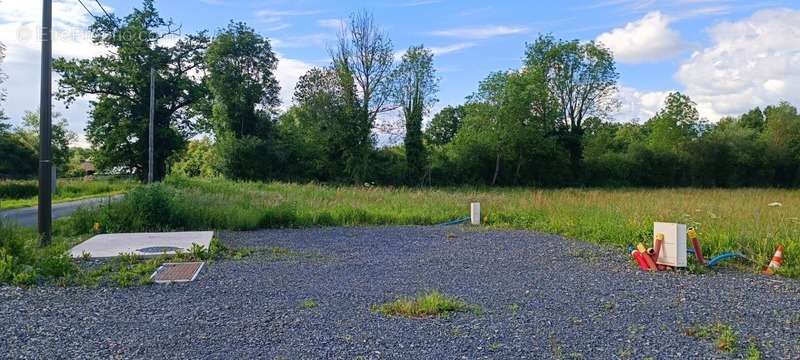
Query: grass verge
{"type": "Point", "coordinates": [425, 305]}
{"type": "Point", "coordinates": [19, 194]}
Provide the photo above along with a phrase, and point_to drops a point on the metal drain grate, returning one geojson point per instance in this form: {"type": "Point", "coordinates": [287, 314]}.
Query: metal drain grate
{"type": "Point", "coordinates": [177, 272]}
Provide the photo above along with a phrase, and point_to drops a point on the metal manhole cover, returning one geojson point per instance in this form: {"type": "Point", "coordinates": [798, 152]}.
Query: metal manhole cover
{"type": "Point", "coordinates": [158, 249]}
{"type": "Point", "coordinates": [177, 272]}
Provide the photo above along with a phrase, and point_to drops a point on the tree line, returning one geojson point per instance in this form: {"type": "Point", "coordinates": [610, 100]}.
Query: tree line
{"type": "Point", "coordinates": [545, 123]}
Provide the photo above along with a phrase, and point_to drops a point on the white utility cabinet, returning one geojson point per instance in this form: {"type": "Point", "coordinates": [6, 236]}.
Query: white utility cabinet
{"type": "Point", "coordinates": [673, 252]}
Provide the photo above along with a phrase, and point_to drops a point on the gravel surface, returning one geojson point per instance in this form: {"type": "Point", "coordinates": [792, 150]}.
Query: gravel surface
{"type": "Point", "coordinates": [542, 296]}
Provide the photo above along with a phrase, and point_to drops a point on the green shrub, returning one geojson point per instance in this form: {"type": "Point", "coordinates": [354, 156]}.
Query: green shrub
{"type": "Point", "coordinates": [18, 189]}
{"type": "Point", "coordinates": [144, 209]}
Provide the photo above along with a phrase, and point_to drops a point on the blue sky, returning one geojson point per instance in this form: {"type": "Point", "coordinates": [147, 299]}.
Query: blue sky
{"type": "Point", "coordinates": [728, 55]}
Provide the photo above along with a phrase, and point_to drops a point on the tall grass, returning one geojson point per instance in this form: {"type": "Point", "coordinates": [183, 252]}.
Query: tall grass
{"type": "Point", "coordinates": [23, 193]}
{"type": "Point", "coordinates": [728, 220]}
{"type": "Point", "coordinates": [23, 262]}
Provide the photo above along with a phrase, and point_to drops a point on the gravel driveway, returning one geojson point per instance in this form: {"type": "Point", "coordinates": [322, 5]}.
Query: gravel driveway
{"type": "Point", "coordinates": [542, 296]}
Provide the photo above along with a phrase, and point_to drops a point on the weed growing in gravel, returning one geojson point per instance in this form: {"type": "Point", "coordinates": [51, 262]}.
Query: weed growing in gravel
{"type": "Point", "coordinates": [724, 337]}
{"type": "Point", "coordinates": [555, 347]}
{"type": "Point", "coordinates": [426, 305]}
{"type": "Point", "coordinates": [587, 255]}
{"type": "Point", "coordinates": [753, 353]}
{"type": "Point", "coordinates": [309, 304]}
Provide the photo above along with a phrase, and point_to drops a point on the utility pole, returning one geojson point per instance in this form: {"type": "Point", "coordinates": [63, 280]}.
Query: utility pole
{"type": "Point", "coordinates": [45, 215]}
{"type": "Point", "coordinates": [151, 161]}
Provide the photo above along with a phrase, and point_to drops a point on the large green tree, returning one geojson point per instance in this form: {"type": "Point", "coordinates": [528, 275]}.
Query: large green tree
{"type": "Point", "coordinates": [120, 81]}
{"type": "Point", "coordinates": [62, 137]}
{"type": "Point", "coordinates": [244, 92]}
{"type": "Point", "coordinates": [414, 89]}
{"type": "Point", "coordinates": [782, 138]}
{"type": "Point", "coordinates": [323, 123]}
{"type": "Point", "coordinates": [444, 125]}
{"type": "Point", "coordinates": [582, 78]}
{"type": "Point", "coordinates": [501, 119]}
{"type": "Point", "coordinates": [674, 126]}
{"type": "Point", "coordinates": [363, 59]}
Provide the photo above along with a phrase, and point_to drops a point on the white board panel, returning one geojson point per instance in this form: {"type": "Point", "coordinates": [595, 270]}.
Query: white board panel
{"type": "Point", "coordinates": [144, 244]}
{"type": "Point", "coordinates": [673, 252]}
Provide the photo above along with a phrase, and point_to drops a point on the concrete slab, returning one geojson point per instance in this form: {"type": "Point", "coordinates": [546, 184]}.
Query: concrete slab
{"type": "Point", "coordinates": [144, 244]}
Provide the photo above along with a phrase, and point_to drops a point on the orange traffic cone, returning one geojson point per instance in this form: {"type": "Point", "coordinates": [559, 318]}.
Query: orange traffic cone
{"type": "Point", "coordinates": [777, 261]}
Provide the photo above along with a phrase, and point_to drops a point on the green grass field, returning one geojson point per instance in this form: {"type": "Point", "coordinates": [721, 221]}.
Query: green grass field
{"type": "Point", "coordinates": [18, 194]}
{"type": "Point", "coordinates": [727, 220]}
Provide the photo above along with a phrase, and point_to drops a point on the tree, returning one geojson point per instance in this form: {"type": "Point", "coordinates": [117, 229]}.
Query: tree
{"type": "Point", "coordinates": [2, 90]}
{"type": "Point", "coordinates": [676, 125]}
{"type": "Point", "coordinates": [444, 125]}
{"type": "Point", "coordinates": [199, 160]}
{"type": "Point", "coordinates": [323, 123]}
{"type": "Point", "coordinates": [17, 161]}
{"type": "Point", "coordinates": [62, 137]}
{"type": "Point", "coordinates": [753, 119]}
{"type": "Point", "coordinates": [118, 128]}
{"type": "Point", "coordinates": [582, 78]}
{"type": "Point", "coordinates": [414, 90]}
{"type": "Point", "coordinates": [244, 91]}
{"type": "Point", "coordinates": [363, 60]}
{"type": "Point", "coordinates": [500, 117]}
{"type": "Point", "coordinates": [782, 138]}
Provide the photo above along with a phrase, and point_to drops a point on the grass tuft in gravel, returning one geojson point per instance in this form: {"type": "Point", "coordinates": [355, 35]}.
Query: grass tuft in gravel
{"type": "Point", "coordinates": [723, 335]}
{"type": "Point", "coordinates": [426, 305]}
{"type": "Point", "coordinates": [753, 353]}
{"type": "Point", "coordinates": [309, 304]}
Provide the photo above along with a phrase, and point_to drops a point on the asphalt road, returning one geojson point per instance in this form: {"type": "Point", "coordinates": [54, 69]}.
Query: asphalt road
{"type": "Point", "coordinates": [28, 216]}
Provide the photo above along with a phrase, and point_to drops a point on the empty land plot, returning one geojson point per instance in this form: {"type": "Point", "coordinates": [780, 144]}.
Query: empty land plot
{"type": "Point", "coordinates": [539, 296]}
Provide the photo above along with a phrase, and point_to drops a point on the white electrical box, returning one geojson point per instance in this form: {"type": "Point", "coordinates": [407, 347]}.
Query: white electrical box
{"type": "Point", "coordinates": [673, 251]}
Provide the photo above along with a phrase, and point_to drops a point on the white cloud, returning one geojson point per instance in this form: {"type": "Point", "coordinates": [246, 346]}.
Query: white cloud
{"type": "Point", "coordinates": [288, 73]}
{"type": "Point", "coordinates": [334, 24]}
{"type": "Point", "coordinates": [439, 50]}
{"type": "Point", "coordinates": [267, 13]}
{"type": "Point", "coordinates": [276, 18]}
{"type": "Point", "coordinates": [481, 32]}
{"type": "Point", "coordinates": [319, 40]}
{"type": "Point", "coordinates": [449, 49]}
{"type": "Point", "coordinates": [647, 39]}
{"type": "Point", "coordinates": [20, 24]}
{"type": "Point", "coordinates": [639, 105]}
{"type": "Point", "coordinates": [751, 62]}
